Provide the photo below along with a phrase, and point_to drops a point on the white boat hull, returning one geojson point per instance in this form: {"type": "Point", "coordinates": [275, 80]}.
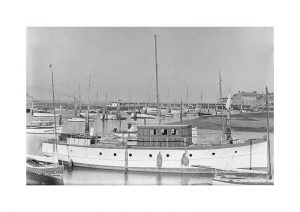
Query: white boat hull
{"type": "Point", "coordinates": [108, 117]}
{"type": "Point", "coordinates": [226, 157]}
{"type": "Point", "coordinates": [79, 120]}
{"type": "Point", "coordinates": [175, 111]}
{"type": "Point", "coordinates": [142, 116]}
{"type": "Point", "coordinates": [44, 114]}
{"type": "Point", "coordinates": [90, 114]}
{"type": "Point", "coordinates": [43, 130]}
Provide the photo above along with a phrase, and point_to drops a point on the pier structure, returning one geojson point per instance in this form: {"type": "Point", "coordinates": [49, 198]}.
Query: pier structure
{"type": "Point", "coordinates": [125, 105]}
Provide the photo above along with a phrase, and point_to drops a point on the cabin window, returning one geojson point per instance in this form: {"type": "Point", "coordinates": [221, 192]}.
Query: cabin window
{"type": "Point", "coordinates": [115, 154]}
{"type": "Point", "coordinates": [174, 132]}
{"type": "Point", "coordinates": [100, 153]}
{"type": "Point", "coordinates": [145, 131]}
{"type": "Point", "coordinates": [167, 155]}
{"type": "Point", "coordinates": [191, 155]}
{"type": "Point", "coordinates": [235, 151]}
{"type": "Point", "coordinates": [150, 155]}
{"type": "Point", "coordinates": [213, 153]}
{"type": "Point", "coordinates": [153, 132]}
{"type": "Point", "coordinates": [164, 132]}
{"type": "Point", "coordinates": [130, 154]}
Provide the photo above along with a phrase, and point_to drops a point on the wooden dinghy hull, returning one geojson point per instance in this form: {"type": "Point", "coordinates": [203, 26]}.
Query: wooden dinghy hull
{"type": "Point", "coordinates": [220, 180]}
{"type": "Point", "coordinates": [43, 129]}
{"type": "Point", "coordinates": [41, 173]}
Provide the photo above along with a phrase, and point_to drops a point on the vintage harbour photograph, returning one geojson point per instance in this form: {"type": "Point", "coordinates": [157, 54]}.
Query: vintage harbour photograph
{"type": "Point", "coordinates": [150, 106]}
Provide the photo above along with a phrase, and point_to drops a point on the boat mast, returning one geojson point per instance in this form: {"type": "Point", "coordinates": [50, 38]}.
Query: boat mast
{"type": "Point", "coordinates": [129, 98]}
{"type": "Point", "coordinates": [87, 122]}
{"type": "Point", "coordinates": [118, 110]}
{"type": "Point", "coordinates": [97, 99]}
{"type": "Point", "coordinates": [156, 71]}
{"type": "Point", "coordinates": [268, 137]}
{"type": "Point", "coordinates": [79, 100]}
{"type": "Point", "coordinates": [180, 110]}
{"type": "Point", "coordinates": [221, 101]}
{"type": "Point", "coordinates": [201, 103]}
{"type": "Point", "coordinates": [105, 108]}
{"type": "Point", "coordinates": [187, 98]}
{"type": "Point", "coordinates": [53, 99]}
{"type": "Point", "coordinates": [75, 111]}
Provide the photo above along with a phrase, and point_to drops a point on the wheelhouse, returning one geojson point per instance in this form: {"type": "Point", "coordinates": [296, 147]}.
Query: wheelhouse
{"type": "Point", "coordinates": [164, 135]}
{"type": "Point", "coordinates": [78, 139]}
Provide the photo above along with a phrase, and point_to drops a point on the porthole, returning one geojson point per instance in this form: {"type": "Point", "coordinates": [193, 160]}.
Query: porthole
{"type": "Point", "coordinates": [191, 155]}
{"type": "Point", "coordinates": [235, 151]}
{"type": "Point", "coordinates": [100, 153]}
{"type": "Point", "coordinates": [150, 155]}
{"type": "Point", "coordinates": [167, 155]}
{"type": "Point", "coordinates": [115, 154]}
{"type": "Point", "coordinates": [213, 153]}
{"type": "Point", "coordinates": [130, 154]}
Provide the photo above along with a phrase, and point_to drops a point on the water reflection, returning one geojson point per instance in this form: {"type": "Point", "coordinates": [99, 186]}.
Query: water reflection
{"type": "Point", "coordinates": [86, 176]}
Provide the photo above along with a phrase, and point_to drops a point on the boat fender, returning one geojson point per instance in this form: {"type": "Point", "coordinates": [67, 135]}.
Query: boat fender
{"type": "Point", "coordinates": [60, 119]}
{"type": "Point", "coordinates": [184, 160]}
{"type": "Point", "coordinates": [159, 160]}
{"type": "Point", "coordinates": [70, 163]}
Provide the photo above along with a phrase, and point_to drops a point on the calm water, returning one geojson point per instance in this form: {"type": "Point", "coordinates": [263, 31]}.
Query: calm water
{"type": "Point", "coordinates": [82, 176]}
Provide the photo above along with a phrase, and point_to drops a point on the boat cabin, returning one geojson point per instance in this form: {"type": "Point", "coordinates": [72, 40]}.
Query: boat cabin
{"type": "Point", "coordinates": [164, 135]}
{"type": "Point", "coordinates": [78, 139]}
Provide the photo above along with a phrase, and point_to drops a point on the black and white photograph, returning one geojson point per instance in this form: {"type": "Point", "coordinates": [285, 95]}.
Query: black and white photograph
{"type": "Point", "coordinates": [149, 106]}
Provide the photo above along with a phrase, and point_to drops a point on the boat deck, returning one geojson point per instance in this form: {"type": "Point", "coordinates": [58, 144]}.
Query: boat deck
{"type": "Point", "coordinates": [122, 145]}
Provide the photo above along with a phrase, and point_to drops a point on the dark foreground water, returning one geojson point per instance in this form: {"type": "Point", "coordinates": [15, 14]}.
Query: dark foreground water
{"type": "Point", "coordinates": [87, 176]}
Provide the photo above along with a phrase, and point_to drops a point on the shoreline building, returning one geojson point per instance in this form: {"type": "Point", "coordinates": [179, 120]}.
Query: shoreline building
{"type": "Point", "coordinates": [252, 98]}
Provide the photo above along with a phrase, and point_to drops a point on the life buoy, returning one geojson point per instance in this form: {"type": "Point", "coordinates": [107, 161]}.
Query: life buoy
{"type": "Point", "coordinates": [159, 160]}
{"type": "Point", "coordinates": [185, 160]}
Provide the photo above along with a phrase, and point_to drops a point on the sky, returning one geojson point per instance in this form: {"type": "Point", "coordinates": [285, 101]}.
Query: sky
{"type": "Point", "coordinates": [121, 62]}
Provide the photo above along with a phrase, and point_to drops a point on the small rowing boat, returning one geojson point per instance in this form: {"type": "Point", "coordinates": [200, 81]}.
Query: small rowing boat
{"type": "Point", "coordinates": [43, 127]}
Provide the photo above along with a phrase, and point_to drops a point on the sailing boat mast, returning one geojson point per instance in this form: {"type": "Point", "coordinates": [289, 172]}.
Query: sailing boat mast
{"type": "Point", "coordinates": [75, 111]}
{"type": "Point", "coordinates": [79, 100]}
{"type": "Point", "coordinates": [105, 107]}
{"type": "Point", "coordinates": [87, 122]}
{"type": "Point", "coordinates": [156, 71]}
{"type": "Point", "coordinates": [187, 98]}
{"type": "Point", "coordinates": [97, 100]}
{"type": "Point", "coordinates": [268, 137]}
{"type": "Point", "coordinates": [201, 103]}
{"type": "Point", "coordinates": [180, 110]}
{"type": "Point", "coordinates": [221, 101]}
{"type": "Point", "coordinates": [55, 140]}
